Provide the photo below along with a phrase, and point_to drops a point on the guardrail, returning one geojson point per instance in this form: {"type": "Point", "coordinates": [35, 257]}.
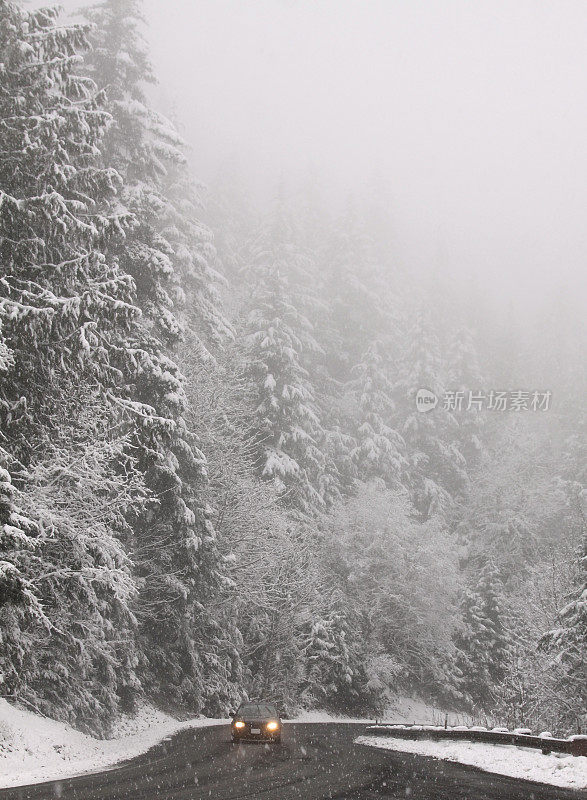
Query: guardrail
{"type": "Point", "coordinates": [574, 745]}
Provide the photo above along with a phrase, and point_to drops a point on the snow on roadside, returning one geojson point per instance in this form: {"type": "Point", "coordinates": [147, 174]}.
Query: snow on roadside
{"type": "Point", "coordinates": [517, 762]}
{"type": "Point", "coordinates": [35, 749]}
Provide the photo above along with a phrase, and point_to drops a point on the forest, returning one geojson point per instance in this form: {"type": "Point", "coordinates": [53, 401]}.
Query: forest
{"type": "Point", "coordinates": [216, 481]}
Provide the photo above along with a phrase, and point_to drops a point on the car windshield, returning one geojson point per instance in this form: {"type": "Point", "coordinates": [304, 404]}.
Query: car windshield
{"type": "Point", "coordinates": [257, 710]}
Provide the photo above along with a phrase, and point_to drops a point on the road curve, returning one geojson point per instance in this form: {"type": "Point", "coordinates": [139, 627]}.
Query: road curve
{"type": "Point", "coordinates": [315, 761]}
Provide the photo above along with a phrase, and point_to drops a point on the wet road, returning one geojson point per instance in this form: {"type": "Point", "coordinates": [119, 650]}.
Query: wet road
{"type": "Point", "coordinates": [314, 761]}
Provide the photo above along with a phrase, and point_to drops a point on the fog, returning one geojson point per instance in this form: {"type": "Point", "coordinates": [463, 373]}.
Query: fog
{"type": "Point", "coordinates": [469, 114]}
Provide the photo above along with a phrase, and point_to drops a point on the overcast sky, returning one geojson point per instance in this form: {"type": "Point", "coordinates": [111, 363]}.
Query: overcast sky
{"type": "Point", "coordinates": [472, 110]}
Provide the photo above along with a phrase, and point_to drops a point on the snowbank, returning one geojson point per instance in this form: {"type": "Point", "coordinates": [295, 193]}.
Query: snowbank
{"type": "Point", "coordinates": [35, 749]}
{"type": "Point", "coordinates": [517, 762]}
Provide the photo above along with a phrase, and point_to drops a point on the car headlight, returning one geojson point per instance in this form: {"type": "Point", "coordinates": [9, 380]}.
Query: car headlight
{"type": "Point", "coordinates": [239, 724]}
{"type": "Point", "coordinates": [272, 726]}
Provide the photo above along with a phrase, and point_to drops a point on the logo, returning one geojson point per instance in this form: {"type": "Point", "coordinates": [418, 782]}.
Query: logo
{"type": "Point", "coordinates": [425, 400]}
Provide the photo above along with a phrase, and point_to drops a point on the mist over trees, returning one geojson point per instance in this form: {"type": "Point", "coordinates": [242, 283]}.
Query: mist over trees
{"type": "Point", "coordinates": [215, 481]}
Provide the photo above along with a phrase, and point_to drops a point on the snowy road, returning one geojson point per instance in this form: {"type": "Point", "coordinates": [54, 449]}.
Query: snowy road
{"type": "Point", "coordinates": [314, 761]}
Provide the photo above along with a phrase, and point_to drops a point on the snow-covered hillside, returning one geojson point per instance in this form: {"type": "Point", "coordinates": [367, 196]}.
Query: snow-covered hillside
{"type": "Point", "coordinates": [412, 709]}
{"type": "Point", "coordinates": [35, 749]}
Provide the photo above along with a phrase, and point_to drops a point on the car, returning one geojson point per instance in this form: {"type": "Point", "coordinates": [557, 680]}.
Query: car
{"type": "Point", "coordinates": [256, 721]}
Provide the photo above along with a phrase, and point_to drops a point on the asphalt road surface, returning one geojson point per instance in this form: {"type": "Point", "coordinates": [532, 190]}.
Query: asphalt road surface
{"type": "Point", "coordinates": [313, 761]}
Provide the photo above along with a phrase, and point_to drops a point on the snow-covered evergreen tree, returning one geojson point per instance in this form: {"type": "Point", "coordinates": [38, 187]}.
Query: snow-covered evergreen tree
{"type": "Point", "coordinates": [18, 535]}
{"type": "Point", "coordinates": [379, 449]}
{"type": "Point", "coordinates": [60, 300]}
{"type": "Point", "coordinates": [81, 664]}
{"type": "Point", "coordinates": [515, 511]}
{"type": "Point", "coordinates": [6, 359]}
{"type": "Point", "coordinates": [484, 640]}
{"type": "Point", "coordinates": [566, 644]}
{"type": "Point", "coordinates": [63, 306]}
{"type": "Point", "coordinates": [464, 377]}
{"type": "Point", "coordinates": [233, 216]}
{"type": "Point", "coordinates": [280, 342]}
{"type": "Point", "coordinates": [15, 529]}
{"type": "Point", "coordinates": [335, 664]}
{"type": "Point", "coordinates": [170, 253]}
{"type": "Point", "coordinates": [436, 470]}
{"type": "Point", "coordinates": [355, 286]}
